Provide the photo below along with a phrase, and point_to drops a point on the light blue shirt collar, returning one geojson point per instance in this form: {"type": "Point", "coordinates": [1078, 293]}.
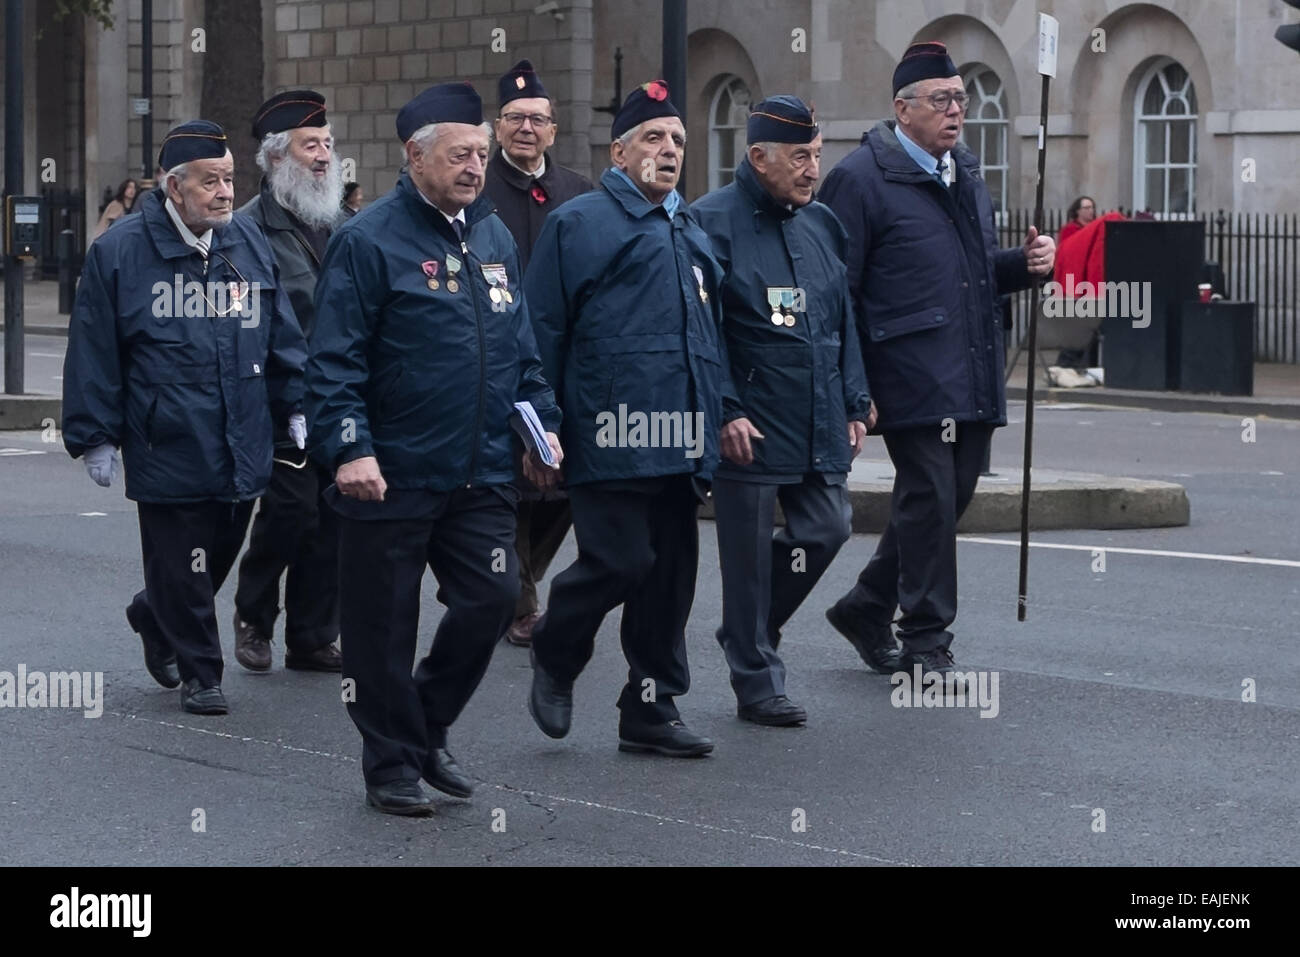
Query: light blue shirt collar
{"type": "Point", "coordinates": [921, 157]}
{"type": "Point", "coordinates": [671, 201]}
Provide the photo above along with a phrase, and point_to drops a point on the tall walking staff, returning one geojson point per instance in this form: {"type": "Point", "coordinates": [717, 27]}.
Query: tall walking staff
{"type": "Point", "coordinates": [1048, 29]}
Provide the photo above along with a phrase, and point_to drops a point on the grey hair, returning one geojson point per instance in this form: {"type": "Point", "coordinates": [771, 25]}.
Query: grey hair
{"type": "Point", "coordinates": [631, 134]}
{"type": "Point", "coordinates": [176, 172]}
{"type": "Point", "coordinates": [769, 150]}
{"type": "Point", "coordinates": [427, 135]}
{"type": "Point", "coordinates": [274, 146]}
{"type": "Point", "coordinates": [909, 91]}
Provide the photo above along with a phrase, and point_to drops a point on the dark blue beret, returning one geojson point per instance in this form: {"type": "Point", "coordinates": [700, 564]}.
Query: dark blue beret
{"type": "Point", "coordinates": [648, 101]}
{"type": "Point", "coordinates": [923, 61]}
{"type": "Point", "coordinates": [781, 119]}
{"type": "Point", "coordinates": [197, 139]}
{"type": "Point", "coordinates": [288, 111]}
{"type": "Point", "coordinates": [522, 82]}
{"type": "Point", "coordinates": [444, 103]}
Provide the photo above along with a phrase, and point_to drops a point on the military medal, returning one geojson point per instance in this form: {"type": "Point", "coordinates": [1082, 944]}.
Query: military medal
{"type": "Point", "coordinates": [699, 282]}
{"type": "Point", "coordinates": [453, 267]}
{"type": "Point", "coordinates": [430, 267]}
{"type": "Point", "coordinates": [789, 319]}
{"type": "Point", "coordinates": [237, 293]}
{"type": "Point", "coordinates": [498, 282]}
{"type": "Point", "coordinates": [774, 300]}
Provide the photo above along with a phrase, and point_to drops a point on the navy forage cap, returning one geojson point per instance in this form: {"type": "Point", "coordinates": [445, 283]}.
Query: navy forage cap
{"type": "Point", "coordinates": [781, 119]}
{"type": "Point", "coordinates": [444, 103]}
{"type": "Point", "coordinates": [649, 101]}
{"type": "Point", "coordinates": [923, 61]}
{"type": "Point", "coordinates": [522, 82]}
{"type": "Point", "coordinates": [288, 111]}
{"type": "Point", "coordinates": [195, 140]}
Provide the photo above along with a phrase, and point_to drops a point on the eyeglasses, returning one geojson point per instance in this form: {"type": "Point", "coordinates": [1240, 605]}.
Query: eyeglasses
{"type": "Point", "coordinates": [941, 101]}
{"type": "Point", "coordinates": [539, 121]}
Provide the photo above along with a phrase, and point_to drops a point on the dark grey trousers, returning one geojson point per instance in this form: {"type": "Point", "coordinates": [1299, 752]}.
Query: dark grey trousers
{"type": "Point", "coordinates": [764, 578]}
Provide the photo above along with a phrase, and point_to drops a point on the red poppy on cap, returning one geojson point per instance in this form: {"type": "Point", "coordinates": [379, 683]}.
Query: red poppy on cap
{"type": "Point", "coordinates": [656, 90]}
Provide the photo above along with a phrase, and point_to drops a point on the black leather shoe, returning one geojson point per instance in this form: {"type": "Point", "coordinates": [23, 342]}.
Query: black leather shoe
{"type": "Point", "coordinates": [199, 700]}
{"type": "Point", "coordinates": [936, 665]}
{"type": "Point", "coordinates": [252, 648]}
{"type": "Point", "coordinates": [406, 798]}
{"type": "Point", "coordinates": [874, 643]}
{"type": "Point", "coordinates": [778, 712]}
{"type": "Point", "coordinates": [550, 701]}
{"type": "Point", "coordinates": [442, 772]}
{"type": "Point", "coordinates": [673, 739]}
{"type": "Point", "coordinates": [159, 659]}
{"type": "Point", "coordinates": [328, 658]}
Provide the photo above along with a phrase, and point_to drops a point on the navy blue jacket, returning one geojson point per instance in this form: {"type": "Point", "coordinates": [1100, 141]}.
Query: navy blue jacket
{"type": "Point", "coordinates": [423, 379]}
{"type": "Point", "coordinates": [799, 385]}
{"type": "Point", "coordinates": [629, 335]}
{"type": "Point", "coordinates": [188, 395]}
{"type": "Point", "coordinates": [926, 273]}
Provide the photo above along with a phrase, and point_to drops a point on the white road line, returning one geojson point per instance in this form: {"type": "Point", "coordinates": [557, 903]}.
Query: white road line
{"type": "Point", "coordinates": [47, 355]}
{"type": "Point", "coordinates": [530, 793]}
{"type": "Point", "coordinates": [1159, 553]}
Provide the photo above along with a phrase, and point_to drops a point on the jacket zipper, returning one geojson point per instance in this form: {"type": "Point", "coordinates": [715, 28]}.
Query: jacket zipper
{"type": "Point", "coordinates": [482, 368]}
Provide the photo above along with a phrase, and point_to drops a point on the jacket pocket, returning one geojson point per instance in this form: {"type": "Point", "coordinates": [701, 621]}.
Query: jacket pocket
{"type": "Point", "coordinates": [932, 318]}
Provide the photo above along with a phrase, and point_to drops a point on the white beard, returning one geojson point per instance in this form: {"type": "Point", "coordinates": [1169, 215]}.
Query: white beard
{"type": "Point", "coordinates": [296, 188]}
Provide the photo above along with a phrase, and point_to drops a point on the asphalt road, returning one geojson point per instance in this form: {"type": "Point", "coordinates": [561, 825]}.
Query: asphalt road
{"type": "Point", "coordinates": [1121, 694]}
{"type": "Point", "coordinates": [43, 364]}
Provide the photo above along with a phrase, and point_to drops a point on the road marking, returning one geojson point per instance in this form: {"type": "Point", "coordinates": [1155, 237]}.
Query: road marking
{"type": "Point", "coordinates": [92, 514]}
{"type": "Point", "coordinates": [663, 819]}
{"type": "Point", "coordinates": [1159, 553]}
{"type": "Point", "coordinates": [1272, 473]}
{"type": "Point", "coordinates": [22, 451]}
{"type": "Point", "coordinates": [47, 355]}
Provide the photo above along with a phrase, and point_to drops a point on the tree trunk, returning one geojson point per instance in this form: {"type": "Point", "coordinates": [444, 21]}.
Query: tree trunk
{"type": "Point", "coordinates": [232, 82]}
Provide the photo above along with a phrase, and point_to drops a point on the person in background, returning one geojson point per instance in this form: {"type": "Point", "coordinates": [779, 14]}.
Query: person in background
{"type": "Point", "coordinates": [353, 197]}
{"type": "Point", "coordinates": [1081, 212]}
{"type": "Point", "coordinates": [123, 204]}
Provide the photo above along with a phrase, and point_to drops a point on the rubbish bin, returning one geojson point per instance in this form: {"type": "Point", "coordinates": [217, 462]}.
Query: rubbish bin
{"type": "Point", "coordinates": [1217, 351]}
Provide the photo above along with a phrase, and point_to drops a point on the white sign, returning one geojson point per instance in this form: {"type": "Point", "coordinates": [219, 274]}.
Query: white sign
{"type": "Point", "coordinates": [140, 107]}
{"type": "Point", "coordinates": [1048, 30]}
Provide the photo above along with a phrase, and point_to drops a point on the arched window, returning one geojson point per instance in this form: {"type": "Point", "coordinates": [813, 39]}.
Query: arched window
{"type": "Point", "coordinates": [985, 131]}
{"type": "Point", "coordinates": [728, 117]}
{"type": "Point", "coordinates": [1164, 152]}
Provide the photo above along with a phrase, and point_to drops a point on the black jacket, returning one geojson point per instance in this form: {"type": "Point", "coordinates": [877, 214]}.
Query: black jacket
{"type": "Point", "coordinates": [926, 274]}
{"type": "Point", "coordinates": [799, 384]}
{"type": "Point", "coordinates": [299, 266]}
{"type": "Point", "coordinates": [512, 192]}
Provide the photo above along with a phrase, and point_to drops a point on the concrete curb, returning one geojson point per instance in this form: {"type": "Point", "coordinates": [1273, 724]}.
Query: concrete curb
{"type": "Point", "coordinates": [1068, 501]}
{"type": "Point", "coordinates": [1168, 401]}
{"type": "Point", "coordinates": [29, 411]}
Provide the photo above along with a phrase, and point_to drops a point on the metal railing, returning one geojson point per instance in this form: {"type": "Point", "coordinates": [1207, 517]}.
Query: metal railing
{"type": "Point", "coordinates": [1259, 254]}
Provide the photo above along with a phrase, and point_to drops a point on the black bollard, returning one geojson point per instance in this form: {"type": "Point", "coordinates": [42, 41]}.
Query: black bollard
{"type": "Point", "coordinates": [67, 279]}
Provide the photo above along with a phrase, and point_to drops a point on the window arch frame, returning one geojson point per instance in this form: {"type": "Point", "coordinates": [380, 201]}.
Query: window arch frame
{"type": "Point", "coordinates": [1142, 163]}
{"type": "Point", "coordinates": [725, 85]}
{"type": "Point", "coordinates": [999, 125]}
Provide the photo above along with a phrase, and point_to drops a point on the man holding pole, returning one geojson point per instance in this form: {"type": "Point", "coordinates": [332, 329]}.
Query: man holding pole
{"type": "Point", "coordinates": [925, 272]}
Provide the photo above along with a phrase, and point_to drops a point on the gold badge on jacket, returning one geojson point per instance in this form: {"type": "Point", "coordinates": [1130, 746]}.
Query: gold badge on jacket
{"type": "Point", "coordinates": [430, 267]}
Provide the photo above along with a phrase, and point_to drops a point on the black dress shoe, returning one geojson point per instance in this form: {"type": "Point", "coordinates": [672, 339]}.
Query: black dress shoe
{"type": "Point", "coordinates": [550, 701]}
{"type": "Point", "coordinates": [673, 739]}
{"type": "Point", "coordinates": [778, 712]}
{"type": "Point", "coordinates": [874, 643]}
{"type": "Point", "coordinates": [936, 664]}
{"type": "Point", "coordinates": [406, 798]}
{"type": "Point", "coordinates": [199, 700]}
{"type": "Point", "coordinates": [443, 773]}
{"type": "Point", "coordinates": [252, 648]}
{"type": "Point", "coordinates": [328, 658]}
{"type": "Point", "coordinates": [159, 659]}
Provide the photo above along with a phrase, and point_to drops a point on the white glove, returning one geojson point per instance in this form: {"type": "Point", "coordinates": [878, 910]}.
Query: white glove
{"type": "Point", "coordinates": [298, 429]}
{"type": "Point", "coordinates": [103, 464]}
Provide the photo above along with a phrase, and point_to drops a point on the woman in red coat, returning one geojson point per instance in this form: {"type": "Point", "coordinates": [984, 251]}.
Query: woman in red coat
{"type": "Point", "coordinates": [1081, 212]}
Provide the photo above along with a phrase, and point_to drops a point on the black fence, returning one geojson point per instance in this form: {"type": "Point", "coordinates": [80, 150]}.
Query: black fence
{"type": "Point", "coordinates": [1258, 252]}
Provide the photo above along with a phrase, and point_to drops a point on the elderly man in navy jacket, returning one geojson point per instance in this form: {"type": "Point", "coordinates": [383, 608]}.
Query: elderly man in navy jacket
{"type": "Point", "coordinates": [421, 349]}
{"type": "Point", "coordinates": [184, 352]}
{"type": "Point", "coordinates": [624, 296]}
{"type": "Point", "coordinates": [800, 408]}
{"type": "Point", "coordinates": [926, 273]}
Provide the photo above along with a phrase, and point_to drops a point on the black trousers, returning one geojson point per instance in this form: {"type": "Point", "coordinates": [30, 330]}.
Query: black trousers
{"type": "Point", "coordinates": [293, 530]}
{"type": "Point", "coordinates": [541, 530]}
{"type": "Point", "coordinates": [764, 581]}
{"type": "Point", "coordinates": [638, 546]}
{"type": "Point", "coordinates": [188, 551]}
{"type": "Point", "coordinates": [468, 542]}
{"type": "Point", "coordinates": [914, 568]}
